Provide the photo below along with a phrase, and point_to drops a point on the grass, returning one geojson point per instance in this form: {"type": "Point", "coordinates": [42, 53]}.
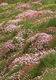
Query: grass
{"type": "Point", "coordinates": [49, 76]}
{"type": "Point", "coordinates": [25, 35]}
{"type": "Point", "coordinates": [27, 45]}
{"type": "Point", "coordinates": [8, 36]}
{"type": "Point", "coordinates": [46, 2]}
{"type": "Point", "coordinates": [28, 24]}
{"type": "Point", "coordinates": [51, 22]}
{"type": "Point", "coordinates": [48, 61]}
{"type": "Point", "coordinates": [9, 1]}
{"type": "Point", "coordinates": [3, 63]}
{"type": "Point", "coordinates": [12, 71]}
{"type": "Point", "coordinates": [52, 43]}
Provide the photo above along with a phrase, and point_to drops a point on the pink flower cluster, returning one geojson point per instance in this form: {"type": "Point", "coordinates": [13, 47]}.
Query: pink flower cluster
{"type": "Point", "coordinates": [1, 24]}
{"type": "Point", "coordinates": [9, 46]}
{"type": "Point", "coordinates": [32, 14]}
{"type": "Point", "coordinates": [16, 21]}
{"type": "Point", "coordinates": [6, 48]}
{"type": "Point", "coordinates": [43, 40]}
{"type": "Point", "coordinates": [1, 28]}
{"type": "Point", "coordinates": [19, 39]}
{"type": "Point", "coordinates": [23, 6]}
{"type": "Point", "coordinates": [51, 29]}
{"type": "Point", "coordinates": [37, 2]}
{"type": "Point", "coordinates": [27, 59]}
{"type": "Point", "coordinates": [45, 19]}
{"type": "Point", "coordinates": [11, 28]}
{"type": "Point", "coordinates": [40, 40]}
{"type": "Point", "coordinates": [4, 4]}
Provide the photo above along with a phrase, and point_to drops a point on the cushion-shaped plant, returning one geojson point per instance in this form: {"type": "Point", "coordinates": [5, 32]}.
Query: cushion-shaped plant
{"type": "Point", "coordinates": [50, 30]}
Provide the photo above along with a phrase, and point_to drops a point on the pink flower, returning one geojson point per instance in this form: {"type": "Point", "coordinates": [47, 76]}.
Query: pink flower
{"type": "Point", "coordinates": [4, 4]}
{"type": "Point", "coordinates": [37, 2]}
{"type": "Point", "coordinates": [22, 6]}
{"type": "Point", "coordinates": [15, 21]}
{"type": "Point", "coordinates": [40, 40]}
{"type": "Point", "coordinates": [6, 48]}
{"type": "Point", "coordinates": [1, 24]}
{"type": "Point", "coordinates": [11, 28]}
{"type": "Point", "coordinates": [32, 14]}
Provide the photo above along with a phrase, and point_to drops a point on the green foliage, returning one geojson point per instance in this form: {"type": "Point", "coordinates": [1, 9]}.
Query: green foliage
{"type": "Point", "coordinates": [27, 45]}
{"type": "Point", "coordinates": [3, 63]}
{"type": "Point", "coordinates": [12, 71]}
{"type": "Point", "coordinates": [25, 35]}
{"type": "Point", "coordinates": [31, 50]}
{"type": "Point", "coordinates": [48, 61]}
{"type": "Point", "coordinates": [9, 1]}
{"type": "Point", "coordinates": [15, 40]}
{"type": "Point", "coordinates": [49, 76]}
{"type": "Point", "coordinates": [8, 36]}
{"type": "Point", "coordinates": [36, 71]}
{"type": "Point", "coordinates": [51, 22]}
{"type": "Point", "coordinates": [44, 1]}
{"type": "Point", "coordinates": [52, 43]}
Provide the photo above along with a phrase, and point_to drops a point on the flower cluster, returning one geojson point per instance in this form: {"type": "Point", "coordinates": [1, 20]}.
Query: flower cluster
{"type": "Point", "coordinates": [39, 41]}
{"type": "Point", "coordinates": [50, 30]}
{"type": "Point", "coordinates": [45, 19]}
{"type": "Point", "coordinates": [32, 14]}
{"type": "Point", "coordinates": [23, 6]}
{"type": "Point", "coordinates": [43, 40]}
{"type": "Point", "coordinates": [27, 14]}
{"type": "Point", "coordinates": [10, 6]}
{"type": "Point", "coordinates": [27, 59]}
{"type": "Point", "coordinates": [9, 46]}
{"type": "Point", "coordinates": [11, 28]}
{"type": "Point", "coordinates": [17, 75]}
{"type": "Point", "coordinates": [1, 28]}
{"type": "Point", "coordinates": [37, 2]}
{"type": "Point", "coordinates": [16, 21]}
{"type": "Point", "coordinates": [4, 4]}
{"type": "Point", "coordinates": [1, 24]}
{"type": "Point", "coordinates": [6, 48]}
{"type": "Point", "coordinates": [19, 39]}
